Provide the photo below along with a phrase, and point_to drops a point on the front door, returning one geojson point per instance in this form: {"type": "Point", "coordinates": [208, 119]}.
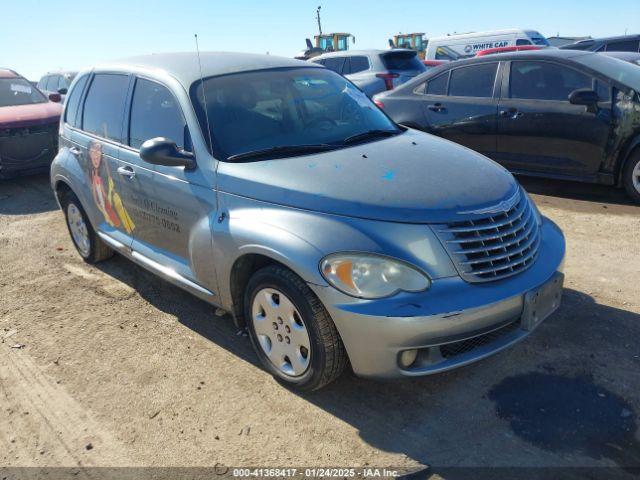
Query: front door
{"type": "Point", "coordinates": [172, 208]}
{"type": "Point", "coordinates": [540, 131]}
{"type": "Point", "coordinates": [461, 106]}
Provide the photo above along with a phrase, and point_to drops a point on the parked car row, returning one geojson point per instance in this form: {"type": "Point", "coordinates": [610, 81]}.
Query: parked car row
{"type": "Point", "coordinates": [553, 113]}
{"type": "Point", "coordinates": [336, 232]}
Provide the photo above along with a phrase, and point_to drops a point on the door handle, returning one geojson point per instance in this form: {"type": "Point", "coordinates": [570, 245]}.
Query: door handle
{"type": "Point", "coordinates": [511, 113]}
{"type": "Point", "coordinates": [75, 151]}
{"type": "Point", "coordinates": [437, 107]}
{"type": "Point", "coordinates": [126, 172]}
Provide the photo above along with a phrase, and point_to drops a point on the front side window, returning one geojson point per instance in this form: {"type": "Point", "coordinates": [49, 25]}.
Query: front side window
{"type": "Point", "coordinates": [52, 83]}
{"type": "Point", "coordinates": [473, 81]}
{"type": "Point", "coordinates": [104, 106]}
{"type": "Point", "coordinates": [73, 102]}
{"type": "Point", "coordinates": [43, 83]}
{"type": "Point", "coordinates": [603, 89]}
{"type": "Point", "coordinates": [288, 107]}
{"type": "Point", "coordinates": [18, 91]}
{"type": "Point", "coordinates": [545, 81]}
{"type": "Point", "coordinates": [623, 46]}
{"type": "Point", "coordinates": [155, 113]}
{"type": "Point", "coordinates": [438, 85]}
{"type": "Point", "coordinates": [522, 41]}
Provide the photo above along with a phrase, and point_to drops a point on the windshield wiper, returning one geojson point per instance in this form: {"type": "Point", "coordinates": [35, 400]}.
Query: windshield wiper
{"type": "Point", "coordinates": [282, 150]}
{"type": "Point", "coordinates": [370, 134]}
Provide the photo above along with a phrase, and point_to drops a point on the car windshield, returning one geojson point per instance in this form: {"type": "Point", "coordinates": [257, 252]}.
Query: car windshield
{"type": "Point", "coordinates": [17, 91]}
{"type": "Point", "coordinates": [624, 72]}
{"type": "Point", "coordinates": [284, 109]}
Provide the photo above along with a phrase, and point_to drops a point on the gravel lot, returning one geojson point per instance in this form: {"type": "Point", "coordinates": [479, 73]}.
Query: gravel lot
{"type": "Point", "coordinates": [119, 368]}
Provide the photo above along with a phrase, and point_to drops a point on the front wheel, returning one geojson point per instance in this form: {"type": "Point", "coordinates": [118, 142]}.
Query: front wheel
{"type": "Point", "coordinates": [291, 331]}
{"type": "Point", "coordinates": [631, 176]}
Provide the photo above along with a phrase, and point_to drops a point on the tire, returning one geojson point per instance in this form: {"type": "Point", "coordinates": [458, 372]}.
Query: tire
{"type": "Point", "coordinates": [631, 176]}
{"type": "Point", "coordinates": [326, 357]}
{"type": "Point", "coordinates": [94, 250]}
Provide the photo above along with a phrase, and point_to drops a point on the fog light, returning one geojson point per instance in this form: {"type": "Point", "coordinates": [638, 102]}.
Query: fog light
{"type": "Point", "coordinates": [407, 357]}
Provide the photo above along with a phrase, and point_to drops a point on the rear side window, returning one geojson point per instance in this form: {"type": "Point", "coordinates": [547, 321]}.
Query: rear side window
{"type": "Point", "coordinates": [473, 81]}
{"type": "Point", "coordinates": [73, 102]}
{"type": "Point", "coordinates": [104, 106]}
{"type": "Point", "coordinates": [623, 46]}
{"type": "Point", "coordinates": [42, 83]}
{"type": "Point", "coordinates": [155, 113]}
{"type": "Point", "coordinates": [438, 85]}
{"type": "Point", "coordinates": [402, 61]}
{"type": "Point", "coordinates": [545, 81]}
{"type": "Point", "coordinates": [359, 64]}
{"type": "Point", "coordinates": [334, 63]}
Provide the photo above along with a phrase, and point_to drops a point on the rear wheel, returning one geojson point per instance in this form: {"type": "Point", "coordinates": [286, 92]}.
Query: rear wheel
{"type": "Point", "coordinates": [87, 242]}
{"type": "Point", "coordinates": [292, 333]}
{"type": "Point", "coordinates": [631, 176]}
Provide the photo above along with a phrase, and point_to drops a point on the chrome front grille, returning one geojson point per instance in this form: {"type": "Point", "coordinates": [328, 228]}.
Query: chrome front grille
{"type": "Point", "coordinates": [494, 246]}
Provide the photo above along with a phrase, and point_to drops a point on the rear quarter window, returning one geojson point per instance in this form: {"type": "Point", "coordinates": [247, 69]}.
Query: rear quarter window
{"type": "Point", "coordinates": [104, 106]}
{"type": "Point", "coordinates": [73, 102]}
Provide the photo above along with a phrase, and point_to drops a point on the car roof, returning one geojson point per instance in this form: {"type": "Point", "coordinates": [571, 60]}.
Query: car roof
{"type": "Point", "coordinates": [371, 51]}
{"type": "Point", "coordinates": [62, 72]}
{"type": "Point", "coordinates": [185, 67]}
{"type": "Point", "coordinates": [543, 53]}
{"type": "Point", "coordinates": [589, 41]}
{"type": "Point", "coordinates": [7, 73]}
{"type": "Point", "coordinates": [487, 33]}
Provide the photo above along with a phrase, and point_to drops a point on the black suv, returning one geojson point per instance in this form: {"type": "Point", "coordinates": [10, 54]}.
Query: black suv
{"type": "Point", "coordinates": [552, 113]}
{"type": "Point", "coordinates": [625, 43]}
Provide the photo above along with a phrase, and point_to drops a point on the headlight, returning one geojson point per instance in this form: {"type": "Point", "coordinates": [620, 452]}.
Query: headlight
{"type": "Point", "coordinates": [370, 276]}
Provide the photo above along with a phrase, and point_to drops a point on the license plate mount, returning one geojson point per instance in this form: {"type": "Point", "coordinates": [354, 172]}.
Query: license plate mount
{"type": "Point", "coordinates": [541, 302]}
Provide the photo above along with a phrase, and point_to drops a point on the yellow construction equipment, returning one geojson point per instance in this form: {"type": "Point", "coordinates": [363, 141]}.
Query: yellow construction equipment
{"type": "Point", "coordinates": [413, 41]}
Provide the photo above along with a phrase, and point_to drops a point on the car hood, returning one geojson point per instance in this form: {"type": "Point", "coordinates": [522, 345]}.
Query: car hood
{"type": "Point", "coordinates": [29, 115]}
{"type": "Point", "coordinates": [412, 178]}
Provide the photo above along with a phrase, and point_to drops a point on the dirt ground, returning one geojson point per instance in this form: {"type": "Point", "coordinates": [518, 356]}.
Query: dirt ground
{"type": "Point", "coordinates": [110, 366]}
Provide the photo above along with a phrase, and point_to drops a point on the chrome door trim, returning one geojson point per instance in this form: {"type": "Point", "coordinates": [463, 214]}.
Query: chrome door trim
{"type": "Point", "coordinates": [170, 274]}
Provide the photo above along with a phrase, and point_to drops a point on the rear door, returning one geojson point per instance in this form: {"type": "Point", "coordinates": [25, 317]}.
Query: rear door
{"type": "Point", "coordinates": [461, 105]}
{"type": "Point", "coordinates": [540, 131]}
{"type": "Point", "coordinates": [97, 146]}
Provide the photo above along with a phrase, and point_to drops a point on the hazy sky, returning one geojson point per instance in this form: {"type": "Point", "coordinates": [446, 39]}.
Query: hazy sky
{"type": "Point", "coordinates": [36, 36]}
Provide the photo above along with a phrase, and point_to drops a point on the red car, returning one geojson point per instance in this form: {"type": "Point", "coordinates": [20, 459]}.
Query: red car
{"type": "Point", "coordinates": [28, 126]}
{"type": "Point", "coordinates": [519, 48]}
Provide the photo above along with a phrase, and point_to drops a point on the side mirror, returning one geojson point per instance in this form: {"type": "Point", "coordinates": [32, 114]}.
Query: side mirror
{"type": "Point", "coordinates": [583, 96]}
{"type": "Point", "coordinates": [62, 91]}
{"type": "Point", "coordinates": [162, 151]}
{"type": "Point", "coordinates": [55, 97]}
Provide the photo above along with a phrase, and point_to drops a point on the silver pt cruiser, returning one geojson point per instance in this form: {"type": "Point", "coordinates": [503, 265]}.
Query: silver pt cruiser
{"type": "Point", "coordinates": [276, 190]}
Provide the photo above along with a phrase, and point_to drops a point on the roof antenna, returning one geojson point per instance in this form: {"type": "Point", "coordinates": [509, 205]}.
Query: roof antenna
{"type": "Point", "coordinates": [204, 97]}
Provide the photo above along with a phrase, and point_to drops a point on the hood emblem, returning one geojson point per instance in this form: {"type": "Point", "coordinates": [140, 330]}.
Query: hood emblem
{"type": "Point", "coordinates": [503, 206]}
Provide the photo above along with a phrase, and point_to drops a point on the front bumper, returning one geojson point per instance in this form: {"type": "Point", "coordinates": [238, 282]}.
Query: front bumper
{"type": "Point", "coordinates": [452, 324]}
